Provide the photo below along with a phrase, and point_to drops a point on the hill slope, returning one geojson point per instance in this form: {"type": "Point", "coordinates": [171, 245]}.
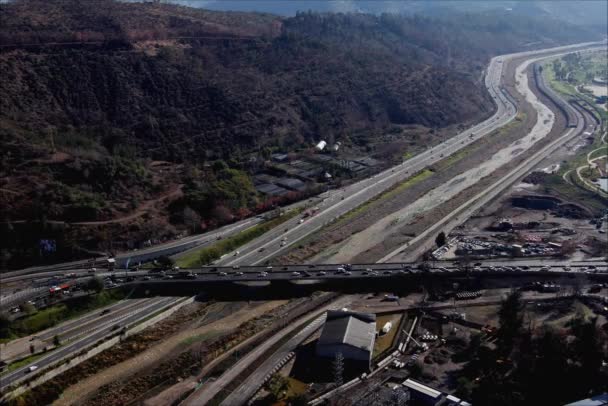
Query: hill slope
{"type": "Point", "coordinates": [111, 108]}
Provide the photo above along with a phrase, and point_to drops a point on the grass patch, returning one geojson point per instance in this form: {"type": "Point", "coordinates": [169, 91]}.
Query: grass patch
{"type": "Point", "coordinates": [407, 155]}
{"type": "Point", "coordinates": [24, 361]}
{"type": "Point", "coordinates": [519, 118]}
{"type": "Point", "coordinates": [579, 159]}
{"type": "Point", "coordinates": [409, 182]}
{"type": "Point", "coordinates": [599, 153]}
{"type": "Point", "coordinates": [419, 177]}
{"type": "Point", "coordinates": [199, 337]}
{"type": "Point", "coordinates": [555, 183]}
{"type": "Point", "coordinates": [211, 253]}
{"type": "Point", "coordinates": [478, 144]}
{"type": "Point", "coordinates": [53, 315]}
{"type": "Point", "coordinates": [569, 90]}
{"type": "Point", "coordinates": [385, 341]}
{"type": "Point", "coordinates": [296, 387]}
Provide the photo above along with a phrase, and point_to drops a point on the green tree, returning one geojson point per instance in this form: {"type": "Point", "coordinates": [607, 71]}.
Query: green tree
{"type": "Point", "coordinates": [28, 308]}
{"type": "Point", "coordinates": [165, 261]}
{"type": "Point", "coordinates": [208, 256]}
{"type": "Point", "coordinates": [510, 320]}
{"type": "Point", "coordinates": [277, 385]}
{"type": "Point", "coordinates": [298, 400]}
{"type": "Point", "coordinates": [5, 325]}
{"type": "Point", "coordinates": [338, 369]}
{"type": "Point", "coordinates": [95, 284]}
{"type": "Point", "coordinates": [588, 355]}
{"type": "Point", "coordinates": [441, 239]}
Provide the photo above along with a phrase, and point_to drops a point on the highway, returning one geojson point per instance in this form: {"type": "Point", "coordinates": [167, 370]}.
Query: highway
{"type": "Point", "coordinates": [339, 202]}
{"type": "Point", "coordinates": [94, 334]}
{"type": "Point", "coordinates": [540, 130]}
{"type": "Point", "coordinates": [69, 330]}
{"type": "Point", "coordinates": [211, 389]}
{"type": "Point", "coordinates": [331, 205]}
{"type": "Point", "coordinates": [334, 203]}
{"type": "Point", "coordinates": [135, 256]}
{"type": "Point", "coordinates": [321, 272]}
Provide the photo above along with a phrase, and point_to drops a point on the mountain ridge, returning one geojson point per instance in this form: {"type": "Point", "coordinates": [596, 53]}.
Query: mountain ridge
{"type": "Point", "coordinates": [140, 99]}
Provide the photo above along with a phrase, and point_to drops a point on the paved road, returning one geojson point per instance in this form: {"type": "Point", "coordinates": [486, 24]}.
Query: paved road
{"type": "Point", "coordinates": [316, 273]}
{"type": "Point", "coordinates": [462, 213]}
{"type": "Point", "coordinates": [69, 330]}
{"type": "Point", "coordinates": [211, 389]}
{"type": "Point", "coordinates": [93, 336]}
{"type": "Point", "coordinates": [170, 248]}
{"type": "Point", "coordinates": [250, 386]}
{"type": "Point", "coordinates": [339, 202]}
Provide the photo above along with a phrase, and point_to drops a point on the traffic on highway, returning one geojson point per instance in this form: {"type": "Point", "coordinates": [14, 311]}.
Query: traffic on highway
{"type": "Point", "coordinates": [350, 271]}
{"type": "Point", "coordinates": [251, 263]}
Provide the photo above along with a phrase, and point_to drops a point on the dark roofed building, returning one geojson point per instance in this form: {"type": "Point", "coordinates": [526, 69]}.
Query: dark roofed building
{"type": "Point", "coordinates": [350, 333]}
{"type": "Point", "coordinates": [292, 184]}
{"type": "Point", "coordinates": [367, 161]}
{"type": "Point", "coordinates": [271, 190]}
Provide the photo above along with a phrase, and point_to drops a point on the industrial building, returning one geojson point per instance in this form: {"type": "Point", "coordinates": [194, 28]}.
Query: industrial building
{"type": "Point", "coordinates": [422, 394]}
{"type": "Point", "coordinates": [349, 333]}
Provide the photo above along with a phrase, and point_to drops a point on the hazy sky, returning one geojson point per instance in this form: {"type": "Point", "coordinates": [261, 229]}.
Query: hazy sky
{"type": "Point", "coordinates": [579, 12]}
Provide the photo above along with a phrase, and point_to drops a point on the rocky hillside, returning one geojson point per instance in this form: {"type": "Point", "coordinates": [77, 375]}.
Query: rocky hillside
{"type": "Point", "coordinates": [109, 109]}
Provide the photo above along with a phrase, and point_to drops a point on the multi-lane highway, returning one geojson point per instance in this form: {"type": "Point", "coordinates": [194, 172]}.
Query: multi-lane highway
{"type": "Point", "coordinates": [331, 205]}
{"type": "Point", "coordinates": [70, 330]}
{"type": "Point", "coordinates": [336, 203]}
{"type": "Point", "coordinates": [91, 334]}
{"type": "Point", "coordinates": [339, 202]}
{"type": "Point", "coordinates": [464, 211]}
{"type": "Point", "coordinates": [309, 273]}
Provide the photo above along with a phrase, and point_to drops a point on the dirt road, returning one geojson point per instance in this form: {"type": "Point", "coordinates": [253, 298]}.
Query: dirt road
{"type": "Point", "coordinates": [77, 394]}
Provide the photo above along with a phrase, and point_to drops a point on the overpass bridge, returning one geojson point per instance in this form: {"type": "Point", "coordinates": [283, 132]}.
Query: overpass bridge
{"type": "Point", "coordinates": [264, 282]}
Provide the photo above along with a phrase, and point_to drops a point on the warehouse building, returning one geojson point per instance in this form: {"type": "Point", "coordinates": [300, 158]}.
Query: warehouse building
{"type": "Point", "coordinates": [349, 333]}
{"type": "Point", "coordinates": [422, 394]}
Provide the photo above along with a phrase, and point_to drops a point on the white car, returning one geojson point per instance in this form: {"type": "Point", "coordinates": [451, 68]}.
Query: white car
{"type": "Point", "coordinates": [32, 368]}
{"type": "Point", "coordinates": [263, 274]}
{"type": "Point", "coordinates": [295, 273]}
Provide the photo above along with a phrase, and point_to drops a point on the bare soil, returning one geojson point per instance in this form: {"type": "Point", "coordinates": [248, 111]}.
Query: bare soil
{"type": "Point", "coordinates": [174, 357]}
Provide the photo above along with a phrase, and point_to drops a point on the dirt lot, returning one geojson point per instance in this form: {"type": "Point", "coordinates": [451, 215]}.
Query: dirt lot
{"type": "Point", "coordinates": [174, 345]}
{"type": "Point", "coordinates": [547, 225]}
{"type": "Point", "coordinates": [384, 341]}
{"type": "Point", "coordinates": [439, 363]}
{"type": "Point", "coordinates": [178, 357]}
